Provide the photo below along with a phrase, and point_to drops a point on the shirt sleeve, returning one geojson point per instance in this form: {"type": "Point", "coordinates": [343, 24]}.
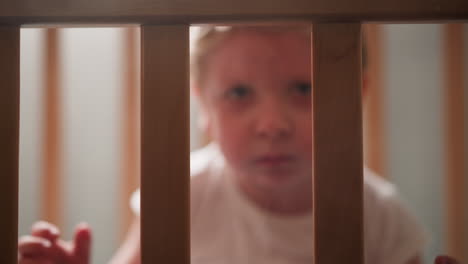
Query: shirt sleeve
{"type": "Point", "coordinates": [394, 234]}
{"type": "Point", "coordinates": [135, 202]}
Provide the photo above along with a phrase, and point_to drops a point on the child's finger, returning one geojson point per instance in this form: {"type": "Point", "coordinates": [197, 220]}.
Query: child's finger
{"type": "Point", "coordinates": [445, 260]}
{"type": "Point", "coordinates": [43, 245]}
{"type": "Point", "coordinates": [26, 260]}
{"type": "Point", "coordinates": [82, 243]}
{"type": "Point", "coordinates": [30, 246]}
{"type": "Point", "coordinates": [45, 230]}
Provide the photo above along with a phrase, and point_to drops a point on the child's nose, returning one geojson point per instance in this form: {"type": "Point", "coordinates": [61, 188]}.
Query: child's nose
{"type": "Point", "coordinates": [273, 122]}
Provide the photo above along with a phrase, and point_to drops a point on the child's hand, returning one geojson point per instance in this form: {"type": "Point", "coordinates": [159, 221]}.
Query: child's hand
{"type": "Point", "coordinates": [43, 246]}
{"type": "Point", "coordinates": [445, 260]}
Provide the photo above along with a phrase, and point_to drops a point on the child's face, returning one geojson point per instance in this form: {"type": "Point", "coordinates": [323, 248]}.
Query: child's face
{"type": "Point", "coordinates": [257, 99]}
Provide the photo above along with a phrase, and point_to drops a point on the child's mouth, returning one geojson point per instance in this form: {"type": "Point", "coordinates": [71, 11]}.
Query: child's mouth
{"type": "Point", "coordinates": [273, 160]}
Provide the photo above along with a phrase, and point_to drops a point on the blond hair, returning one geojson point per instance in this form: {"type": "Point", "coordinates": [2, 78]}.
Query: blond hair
{"type": "Point", "coordinates": [209, 38]}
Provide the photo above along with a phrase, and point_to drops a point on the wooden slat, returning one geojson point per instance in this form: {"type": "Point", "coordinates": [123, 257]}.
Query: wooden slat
{"type": "Point", "coordinates": [454, 136]}
{"type": "Point", "coordinates": [51, 143]}
{"type": "Point", "coordinates": [465, 153]}
{"type": "Point", "coordinates": [9, 141]}
{"type": "Point", "coordinates": [165, 146]}
{"type": "Point", "coordinates": [130, 124]}
{"type": "Point", "coordinates": [374, 139]}
{"type": "Point", "coordinates": [205, 11]}
{"type": "Point", "coordinates": [337, 143]}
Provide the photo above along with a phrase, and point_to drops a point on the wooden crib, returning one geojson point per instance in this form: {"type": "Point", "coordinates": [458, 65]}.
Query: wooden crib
{"type": "Point", "coordinates": [337, 107]}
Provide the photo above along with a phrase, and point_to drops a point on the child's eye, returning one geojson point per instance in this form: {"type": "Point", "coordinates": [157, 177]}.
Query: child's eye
{"type": "Point", "coordinates": [303, 88]}
{"type": "Point", "coordinates": [239, 91]}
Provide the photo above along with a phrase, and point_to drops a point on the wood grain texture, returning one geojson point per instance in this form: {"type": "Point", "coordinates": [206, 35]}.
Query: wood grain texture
{"type": "Point", "coordinates": [165, 156]}
{"type": "Point", "coordinates": [337, 143]}
{"type": "Point", "coordinates": [51, 144]}
{"type": "Point", "coordinates": [209, 11]}
{"type": "Point", "coordinates": [130, 164]}
{"type": "Point", "coordinates": [454, 137]}
{"type": "Point", "coordinates": [9, 141]}
{"type": "Point", "coordinates": [373, 96]}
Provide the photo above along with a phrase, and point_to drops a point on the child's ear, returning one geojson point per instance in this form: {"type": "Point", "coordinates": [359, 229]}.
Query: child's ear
{"type": "Point", "coordinates": [195, 89]}
{"type": "Point", "coordinates": [203, 123]}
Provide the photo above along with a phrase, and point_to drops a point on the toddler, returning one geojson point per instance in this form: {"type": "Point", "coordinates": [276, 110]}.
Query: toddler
{"type": "Point", "coordinates": [251, 188]}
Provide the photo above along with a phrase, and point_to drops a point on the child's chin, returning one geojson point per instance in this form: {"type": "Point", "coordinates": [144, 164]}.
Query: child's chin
{"type": "Point", "coordinates": [276, 180]}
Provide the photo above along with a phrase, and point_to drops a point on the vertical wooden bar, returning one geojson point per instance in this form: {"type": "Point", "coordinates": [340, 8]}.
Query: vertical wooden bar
{"type": "Point", "coordinates": [465, 142]}
{"type": "Point", "coordinates": [130, 124]}
{"type": "Point", "coordinates": [51, 146]}
{"type": "Point", "coordinates": [373, 93]}
{"type": "Point", "coordinates": [454, 138]}
{"type": "Point", "coordinates": [9, 141]}
{"type": "Point", "coordinates": [165, 180]}
{"type": "Point", "coordinates": [337, 143]}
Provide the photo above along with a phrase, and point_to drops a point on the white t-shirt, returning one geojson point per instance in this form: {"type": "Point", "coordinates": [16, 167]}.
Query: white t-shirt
{"type": "Point", "coordinates": [226, 228]}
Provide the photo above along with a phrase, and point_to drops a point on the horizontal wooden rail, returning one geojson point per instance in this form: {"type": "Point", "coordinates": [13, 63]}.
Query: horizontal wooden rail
{"type": "Point", "coordinates": [214, 11]}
